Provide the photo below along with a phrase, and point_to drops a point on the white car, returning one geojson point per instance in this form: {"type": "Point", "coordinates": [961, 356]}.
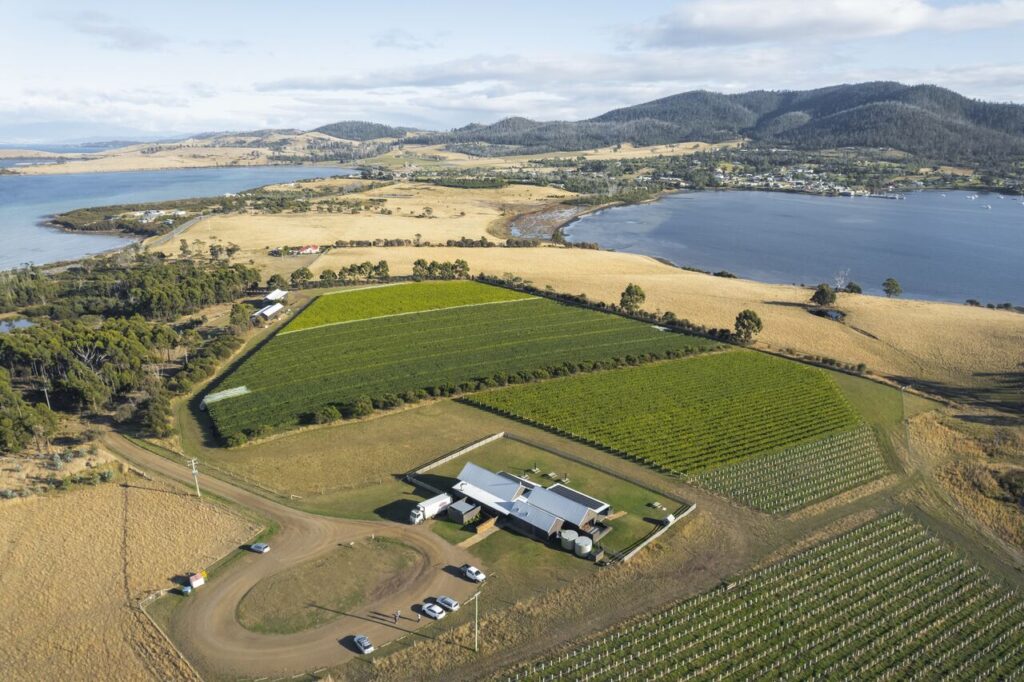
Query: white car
{"type": "Point", "coordinates": [472, 573]}
{"type": "Point", "coordinates": [363, 643]}
{"type": "Point", "coordinates": [259, 548]}
{"type": "Point", "coordinates": [447, 603]}
{"type": "Point", "coordinates": [433, 611]}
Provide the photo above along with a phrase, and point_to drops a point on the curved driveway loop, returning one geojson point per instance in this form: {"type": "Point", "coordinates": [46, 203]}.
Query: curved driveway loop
{"type": "Point", "coordinates": [209, 634]}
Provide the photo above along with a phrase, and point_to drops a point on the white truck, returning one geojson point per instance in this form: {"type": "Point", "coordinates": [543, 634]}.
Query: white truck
{"type": "Point", "coordinates": [428, 509]}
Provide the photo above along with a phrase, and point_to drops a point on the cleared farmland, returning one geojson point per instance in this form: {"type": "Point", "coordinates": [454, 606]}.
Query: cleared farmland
{"type": "Point", "coordinates": [689, 415]}
{"type": "Point", "coordinates": [887, 600]}
{"type": "Point", "coordinates": [397, 299]}
{"type": "Point", "coordinates": [798, 476]}
{"type": "Point", "coordinates": [293, 375]}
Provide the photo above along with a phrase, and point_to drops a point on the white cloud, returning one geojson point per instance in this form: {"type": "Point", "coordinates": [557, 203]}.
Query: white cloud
{"type": "Point", "coordinates": [563, 71]}
{"type": "Point", "coordinates": [745, 21]}
{"type": "Point", "coordinates": [116, 34]}
{"type": "Point", "coordinates": [403, 40]}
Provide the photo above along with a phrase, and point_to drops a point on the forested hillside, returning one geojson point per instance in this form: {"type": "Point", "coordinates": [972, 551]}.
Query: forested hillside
{"type": "Point", "coordinates": [361, 130]}
{"type": "Point", "coordinates": [924, 120]}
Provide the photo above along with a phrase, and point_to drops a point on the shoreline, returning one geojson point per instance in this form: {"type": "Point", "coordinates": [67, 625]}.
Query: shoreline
{"type": "Point", "coordinates": [316, 164]}
{"type": "Point", "coordinates": [45, 221]}
{"type": "Point", "coordinates": [1016, 307]}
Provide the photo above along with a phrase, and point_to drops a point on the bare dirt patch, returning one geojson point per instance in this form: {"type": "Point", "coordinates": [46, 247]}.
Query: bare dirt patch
{"type": "Point", "coordinates": [75, 564]}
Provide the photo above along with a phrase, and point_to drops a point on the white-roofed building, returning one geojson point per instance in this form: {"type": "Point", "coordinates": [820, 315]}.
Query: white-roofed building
{"type": "Point", "coordinates": [268, 312]}
{"type": "Point", "coordinates": [276, 296]}
{"type": "Point", "coordinates": [528, 507]}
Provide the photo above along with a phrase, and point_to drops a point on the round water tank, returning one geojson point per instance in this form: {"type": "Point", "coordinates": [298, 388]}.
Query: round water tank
{"type": "Point", "coordinates": [584, 545]}
{"type": "Point", "coordinates": [569, 539]}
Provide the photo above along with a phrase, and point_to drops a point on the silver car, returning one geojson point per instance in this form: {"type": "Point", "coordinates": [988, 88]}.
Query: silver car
{"type": "Point", "coordinates": [363, 643]}
{"type": "Point", "coordinates": [447, 603]}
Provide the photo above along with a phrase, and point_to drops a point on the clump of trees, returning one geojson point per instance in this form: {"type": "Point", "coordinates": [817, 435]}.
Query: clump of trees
{"type": "Point", "coordinates": [824, 295]}
{"type": "Point", "coordinates": [100, 342]}
{"type": "Point", "coordinates": [632, 298]}
{"type": "Point", "coordinates": [458, 269]}
{"type": "Point", "coordinates": [357, 272]}
{"type": "Point", "coordinates": [748, 325]}
{"type": "Point", "coordinates": [146, 285]}
{"type": "Point", "coordinates": [20, 422]}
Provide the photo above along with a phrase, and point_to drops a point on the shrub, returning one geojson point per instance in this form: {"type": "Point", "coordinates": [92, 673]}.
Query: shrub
{"type": "Point", "coordinates": [236, 439]}
{"type": "Point", "coordinates": [326, 414]}
{"type": "Point", "coordinates": [360, 407]}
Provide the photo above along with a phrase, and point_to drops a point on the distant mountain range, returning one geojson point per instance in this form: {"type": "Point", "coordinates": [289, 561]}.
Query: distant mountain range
{"type": "Point", "coordinates": [933, 123]}
{"type": "Point", "coordinates": [925, 120]}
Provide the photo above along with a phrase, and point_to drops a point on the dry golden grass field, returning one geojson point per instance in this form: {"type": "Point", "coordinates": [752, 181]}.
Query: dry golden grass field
{"type": "Point", "coordinates": [27, 470]}
{"type": "Point", "coordinates": [75, 564]}
{"type": "Point", "coordinates": [413, 157]}
{"type": "Point", "coordinates": [967, 465]}
{"type": "Point", "coordinates": [456, 214]}
{"type": "Point", "coordinates": [939, 347]}
{"type": "Point", "coordinates": [222, 150]}
{"type": "Point", "coordinates": [27, 154]}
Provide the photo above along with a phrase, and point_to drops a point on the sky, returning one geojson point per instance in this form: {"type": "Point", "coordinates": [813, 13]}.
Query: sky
{"type": "Point", "coordinates": [72, 71]}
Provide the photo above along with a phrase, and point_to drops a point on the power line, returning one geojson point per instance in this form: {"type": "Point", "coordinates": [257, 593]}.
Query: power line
{"type": "Point", "coordinates": [194, 464]}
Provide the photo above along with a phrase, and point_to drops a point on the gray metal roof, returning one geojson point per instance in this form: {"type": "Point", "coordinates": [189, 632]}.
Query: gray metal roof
{"type": "Point", "coordinates": [464, 506]}
{"type": "Point", "coordinates": [502, 487]}
{"type": "Point", "coordinates": [553, 503]}
{"type": "Point", "coordinates": [576, 496]}
{"type": "Point", "coordinates": [536, 517]}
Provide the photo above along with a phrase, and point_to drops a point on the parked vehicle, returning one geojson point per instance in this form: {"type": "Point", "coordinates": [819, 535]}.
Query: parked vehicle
{"type": "Point", "coordinates": [472, 573]}
{"type": "Point", "coordinates": [363, 643]}
{"type": "Point", "coordinates": [433, 611]}
{"type": "Point", "coordinates": [447, 603]}
{"type": "Point", "coordinates": [259, 548]}
{"type": "Point", "coordinates": [428, 509]}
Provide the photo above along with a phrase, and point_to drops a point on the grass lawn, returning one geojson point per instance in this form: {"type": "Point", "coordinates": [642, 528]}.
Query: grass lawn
{"type": "Point", "coordinates": [328, 465]}
{"type": "Point", "coordinates": [451, 531]}
{"type": "Point", "coordinates": [519, 458]}
{"type": "Point", "coordinates": [519, 568]}
{"type": "Point", "coordinates": [323, 589]}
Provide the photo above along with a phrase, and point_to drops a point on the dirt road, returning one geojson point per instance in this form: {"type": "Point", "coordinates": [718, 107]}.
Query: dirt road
{"type": "Point", "coordinates": [206, 629]}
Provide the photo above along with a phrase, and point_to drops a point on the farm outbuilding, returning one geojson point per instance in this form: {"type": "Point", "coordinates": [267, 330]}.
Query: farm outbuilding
{"type": "Point", "coordinates": [268, 312]}
{"type": "Point", "coordinates": [463, 512]}
{"type": "Point", "coordinates": [275, 296]}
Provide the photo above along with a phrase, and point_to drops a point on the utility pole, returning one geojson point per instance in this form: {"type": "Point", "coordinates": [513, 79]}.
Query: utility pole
{"type": "Point", "coordinates": [193, 463]}
{"type": "Point", "coordinates": [476, 621]}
